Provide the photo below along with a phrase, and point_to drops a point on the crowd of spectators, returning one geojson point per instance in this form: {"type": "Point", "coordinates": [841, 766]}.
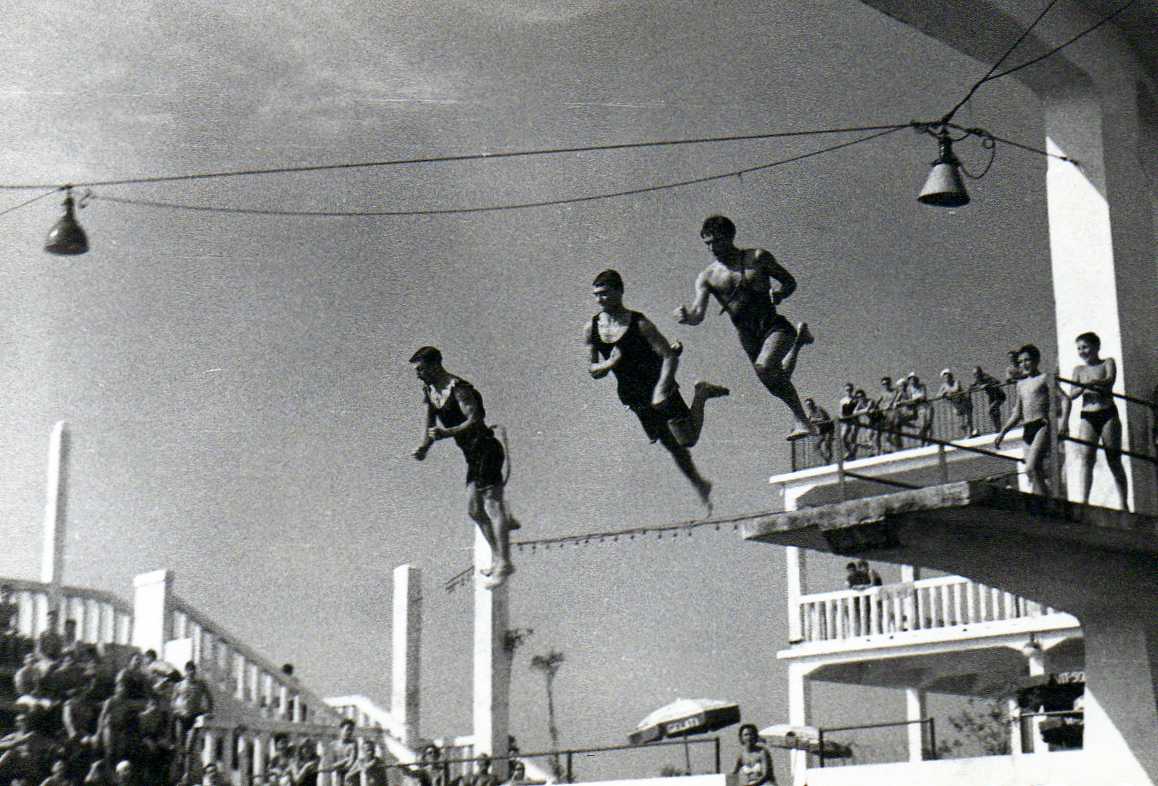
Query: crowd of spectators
{"type": "Point", "coordinates": [870, 426]}
{"type": "Point", "coordinates": [93, 714]}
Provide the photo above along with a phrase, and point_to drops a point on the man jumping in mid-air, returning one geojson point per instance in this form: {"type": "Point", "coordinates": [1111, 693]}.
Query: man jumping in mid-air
{"type": "Point", "coordinates": [741, 280]}
{"type": "Point", "coordinates": [455, 409]}
{"type": "Point", "coordinates": [627, 344]}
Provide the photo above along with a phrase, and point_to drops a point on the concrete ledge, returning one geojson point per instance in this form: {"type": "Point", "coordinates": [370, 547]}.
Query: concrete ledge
{"type": "Point", "coordinates": [1043, 549]}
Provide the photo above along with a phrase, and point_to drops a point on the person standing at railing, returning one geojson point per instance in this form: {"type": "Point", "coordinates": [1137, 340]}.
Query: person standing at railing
{"type": "Point", "coordinates": [484, 775]}
{"type": "Point", "coordinates": [454, 410]}
{"type": "Point", "coordinates": [1031, 409]}
{"type": "Point", "coordinates": [888, 404]}
{"type": "Point", "coordinates": [825, 429]}
{"type": "Point", "coordinates": [344, 752]}
{"type": "Point", "coordinates": [917, 397]}
{"type": "Point", "coordinates": [305, 767]}
{"type": "Point", "coordinates": [429, 771]}
{"type": "Point", "coordinates": [192, 701]}
{"type": "Point", "coordinates": [958, 397]}
{"type": "Point", "coordinates": [848, 429]}
{"type": "Point", "coordinates": [9, 625]}
{"type": "Point", "coordinates": [868, 418]}
{"type": "Point", "coordinates": [993, 392]}
{"type": "Point", "coordinates": [370, 769]}
{"type": "Point", "coordinates": [1099, 419]}
{"type": "Point", "coordinates": [754, 763]}
{"type": "Point", "coordinates": [740, 279]}
{"type": "Point", "coordinates": [629, 345]}
{"type": "Point", "coordinates": [1014, 371]}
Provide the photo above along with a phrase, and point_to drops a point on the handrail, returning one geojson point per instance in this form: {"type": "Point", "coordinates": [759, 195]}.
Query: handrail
{"type": "Point", "coordinates": [932, 748]}
{"type": "Point", "coordinates": [103, 596]}
{"type": "Point", "coordinates": [1100, 446]}
{"type": "Point", "coordinates": [1088, 386]}
{"type": "Point", "coordinates": [251, 655]}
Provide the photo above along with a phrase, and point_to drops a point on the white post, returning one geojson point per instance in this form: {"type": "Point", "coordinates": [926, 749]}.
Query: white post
{"type": "Point", "coordinates": [1036, 660]}
{"type": "Point", "coordinates": [915, 711]}
{"type": "Point", "coordinates": [799, 714]}
{"type": "Point", "coordinates": [796, 578]}
{"type": "Point", "coordinates": [151, 609]}
{"type": "Point", "coordinates": [56, 498]}
{"type": "Point", "coordinates": [492, 664]}
{"type": "Point", "coordinates": [406, 652]}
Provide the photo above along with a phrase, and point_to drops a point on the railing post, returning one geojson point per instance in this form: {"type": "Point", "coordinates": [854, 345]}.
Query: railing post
{"type": "Point", "coordinates": [942, 462]}
{"type": "Point", "coordinates": [840, 475]}
{"type": "Point", "coordinates": [820, 746]}
{"type": "Point", "coordinates": [570, 764]}
{"type": "Point", "coordinates": [932, 739]}
{"type": "Point", "coordinates": [717, 741]}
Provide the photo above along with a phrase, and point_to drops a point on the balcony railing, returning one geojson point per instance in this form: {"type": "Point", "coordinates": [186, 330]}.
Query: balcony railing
{"type": "Point", "coordinates": [944, 421]}
{"type": "Point", "coordinates": [100, 617]}
{"type": "Point", "coordinates": [945, 602]}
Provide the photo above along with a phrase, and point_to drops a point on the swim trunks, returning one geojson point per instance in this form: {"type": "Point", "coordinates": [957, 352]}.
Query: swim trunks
{"type": "Point", "coordinates": [1098, 418]}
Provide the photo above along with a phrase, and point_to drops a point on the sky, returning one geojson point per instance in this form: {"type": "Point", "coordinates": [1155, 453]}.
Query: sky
{"type": "Point", "coordinates": [237, 389]}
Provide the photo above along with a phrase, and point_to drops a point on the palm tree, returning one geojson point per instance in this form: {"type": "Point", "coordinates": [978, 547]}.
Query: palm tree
{"type": "Point", "coordinates": [549, 664]}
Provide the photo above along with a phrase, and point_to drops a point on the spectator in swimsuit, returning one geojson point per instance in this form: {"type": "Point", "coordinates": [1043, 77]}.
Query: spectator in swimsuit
{"type": "Point", "coordinates": [628, 345]}
{"type": "Point", "coordinates": [1031, 409]}
{"type": "Point", "coordinates": [888, 407]}
{"type": "Point", "coordinates": [848, 429]}
{"type": "Point", "coordinates": [754, 764]}
{"type": "Point", "coordinates": [1099, 417]}
{"type": "Point", "coordinates": [740, 279]}
{"type": "Point", "coordinates": [867, 416]}
{"type": "Point", "coordinates": [917, 396]}
{"type": "Point", "coordinates": [454, 409]}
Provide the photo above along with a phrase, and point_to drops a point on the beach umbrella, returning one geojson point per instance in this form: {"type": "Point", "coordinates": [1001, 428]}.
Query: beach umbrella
{"type": "Point", "coordinates": [684, 717]}
{"type": "Point", "coordinates": [803, 738]}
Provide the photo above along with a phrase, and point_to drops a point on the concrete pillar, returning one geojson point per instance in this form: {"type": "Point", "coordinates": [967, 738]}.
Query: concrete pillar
{"type": "Point", "coordinates": [1121, 700]}
{"type": "Point", "coordinates": [152, 607]}
{"type": "Point", "coordinates": [55, 507]}
{"type": "Point", "coordinates": [244, 763]}
{"type": "Point", "coordinates": [260, 753]}
{"type": "Point", "coordinates": [492, 665]}
{"type": "Point", "coordinates": [209, 739]}
{"type": "Point", "coordinates": [283, 708]}
{"type": "Point", "coordinates": [799, 714]}
{"type": "Point", "coordinates": [797, 580]}
{"type": "Point", "coordinates": [239, 676]}
{"type": "Point", "coordinates": [406, 652]}
{"type": "Point", "coordinates": [1035, 659]}
{"type": "Point", "coordinates": [915, 710]}
{"type": "Point", "coordinates": [1101, 236]}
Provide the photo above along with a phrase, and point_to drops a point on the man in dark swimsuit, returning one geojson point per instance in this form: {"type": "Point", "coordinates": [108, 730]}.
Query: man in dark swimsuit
{"type": "Point", "coordinates": [741, 281]}
{"type": "Point", "coordinates": [455, 409]}
{"type": "Point", "coordinates": [627, 344]}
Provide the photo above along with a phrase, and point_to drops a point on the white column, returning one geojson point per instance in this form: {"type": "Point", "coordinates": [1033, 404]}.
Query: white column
{"type": "Point", "coordinates": [406, 652]}
{"type": "Point", "coordinates": [260, 752]}
{"type": "Point", "coordinates": [797, 579]}
{"type": "Point", "coordinates": [56, 498]}
{"type": "Point", "coordinates": [152, 602]}
{"type": "Point", "coordinates": [209, 746]}
{"type": "Point", "coordinates": [799, 714]}
{"type": "Point", "coordinates": [915, 710]}
{"type": "Point", "coordinates": [1036, 662]}
{"type": "Point", "coordinates": [492, 664]}
{"type": "Point", "coordinates": [1101, 245]}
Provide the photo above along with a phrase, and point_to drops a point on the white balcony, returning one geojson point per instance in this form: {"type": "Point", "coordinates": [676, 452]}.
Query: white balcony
{"type": "Point", "coordinates": [916, 611]}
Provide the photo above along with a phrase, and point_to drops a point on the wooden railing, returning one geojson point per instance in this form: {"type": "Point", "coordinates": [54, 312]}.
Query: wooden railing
{"type": "Point", "coordinates": [945, 602]}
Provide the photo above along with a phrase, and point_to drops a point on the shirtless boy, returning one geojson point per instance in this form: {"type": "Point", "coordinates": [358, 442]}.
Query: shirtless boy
{"type": "Point", "coordinates": [740, 279]}
{"type": "Point", "coordinates": [628, 345]}
{"type": "Point", "coordinates": [1031, 408]}
{"type": "Point", "coordinates": [454, 409]}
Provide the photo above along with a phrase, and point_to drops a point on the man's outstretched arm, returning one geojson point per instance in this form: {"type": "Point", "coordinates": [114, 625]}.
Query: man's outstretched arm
{"type": "Point", "coordinates": [424, 446]}
{"type": "Point", "coordinates": [694, 314]}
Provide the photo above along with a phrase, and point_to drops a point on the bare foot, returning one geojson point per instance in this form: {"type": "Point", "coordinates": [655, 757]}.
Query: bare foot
{"type": "Point", "coordinates": [708, 390]}
{"type": "Point", "coordinates": [804, 335]}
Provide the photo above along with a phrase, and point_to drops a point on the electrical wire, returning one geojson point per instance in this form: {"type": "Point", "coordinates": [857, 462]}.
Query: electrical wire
{"type": "Point", "coordinates": [493, 208]}
{"type": "Point", "coordinates": [989, 74]}
{"type": "Point", "coordinates": [28, 202]}
{"type": "Point", "coordinates": [446, 159]}
{"type": "Point", "coordinates": [1062, 46]}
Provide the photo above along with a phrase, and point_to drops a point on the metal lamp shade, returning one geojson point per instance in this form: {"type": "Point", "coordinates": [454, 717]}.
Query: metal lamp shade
{"type": "Point", "coordinates": [67, 237]}
{"type": "Point", "coordinates": [944, 186]}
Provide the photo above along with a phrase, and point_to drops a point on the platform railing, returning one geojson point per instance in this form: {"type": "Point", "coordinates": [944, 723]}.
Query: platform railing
{"type": "Point", "coordinates": [944, 602]}
{"type": "Point", "coordinates": [244, 673]}
{"type": "Point", "coordinates": [100, 617]}
{"type": "Point", "coordinates": [946, 418]}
